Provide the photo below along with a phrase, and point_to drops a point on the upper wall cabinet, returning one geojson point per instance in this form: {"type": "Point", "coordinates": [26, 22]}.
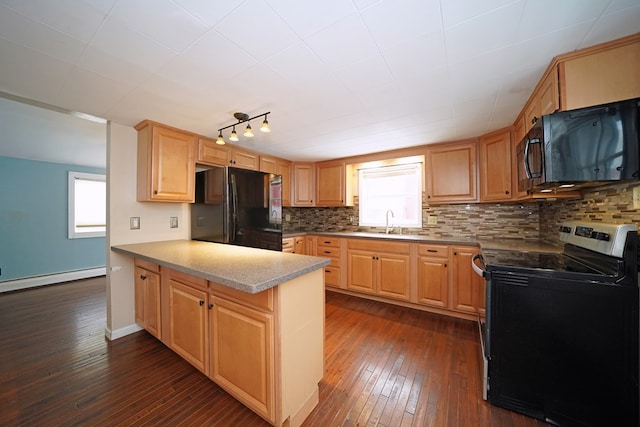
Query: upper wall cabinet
{"type": "Point", "coordinates": [600, 74]}
{"type": "Point", "coordinates": [333, 184]}
{"type": "Point", "coordinates": [223, 155]}
{"type": "Point", "coordinates": [544, 99]}
{"type": "Point", "coordinates": [166, 163]}
{"type": "Point", "coordinates": [495, 166]}
{"type": "Point", "coordinates": [303, 189]}
{"type": "Point", "coordinates": [279, 167]}
{"type": "Point", "coordinates": [451, 174]}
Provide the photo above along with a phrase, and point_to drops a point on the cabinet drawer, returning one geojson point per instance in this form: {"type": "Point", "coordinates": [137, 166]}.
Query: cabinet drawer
{"type": "Point", "coordinates": [262, 300]}
{"type": "Point", "coordinates": [375, 245]}
{"type": "Point", "coordinates": [288, 244]}
{"type": "Point", "coordinates": [328, 241]}
{"type": "Point", "coordinates": [184, 278]}
{"type": "Point", "coordinates": [332, 276]}
{"type": "Point", "coordinates": [440, 251]}
{"type": "Point", "coordinates": [328, 251]}
{"type": "Point", "coordinates": [147, 265]}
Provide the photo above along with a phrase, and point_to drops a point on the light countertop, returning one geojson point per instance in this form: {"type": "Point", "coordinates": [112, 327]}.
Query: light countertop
{"type": "Point", "coordinates": [246, 269]}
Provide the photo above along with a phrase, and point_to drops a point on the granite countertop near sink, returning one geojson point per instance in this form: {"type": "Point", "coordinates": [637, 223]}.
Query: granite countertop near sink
{"type": "Point", "coordinates": [520, 245]}
{"type": "Point", "coordinates": [246, 269]}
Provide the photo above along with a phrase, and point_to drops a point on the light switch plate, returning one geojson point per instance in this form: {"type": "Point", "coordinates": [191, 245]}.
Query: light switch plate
{"type": "Point", "coordinates": [432, 220]}
{"type": "Point", "coordinates": [173, 222]}
{"type": "Point", "coordinates": [134, 223]}
{"type": "Point", "coordinates": [636, 197]}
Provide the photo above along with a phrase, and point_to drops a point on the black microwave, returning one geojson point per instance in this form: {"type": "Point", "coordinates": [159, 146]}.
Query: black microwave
{"type": "Point", "coordinates": [581, 147]}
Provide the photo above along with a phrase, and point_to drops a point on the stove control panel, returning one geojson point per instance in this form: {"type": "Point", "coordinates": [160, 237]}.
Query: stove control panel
{"type": "Point", "coordinates": [608, 239]}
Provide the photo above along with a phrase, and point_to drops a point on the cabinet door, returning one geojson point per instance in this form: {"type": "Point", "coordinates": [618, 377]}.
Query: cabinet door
{"type": "Point", "coordinates": [360, 265]}
{"type": "Point", "coordinates": [188, 323]}
{"type": "Point", "coordinates": [517, 169]}
{"type": "Point", "coordinates": [303, 184]}
{"type": "Point", "coordinates": [242, 359]}
{"type": "Point", "coordinates": [393, 275]}
{"type": "Point", "coordinates": [433, 281]}
{"type": "Point", "coordinates": [147, 294]}
{"type": "Point", "coordinates": [166, 164]}
{"type": "Point", "coordinates": [467, 286]}
{"type": "Point", "coordinates": [213, 154]}
{"type": "Point", "coordinates": [298, 245]}
{"type": "Point", "coordinates": [495, 166]}
{"type": "Point", "coordinates": [284, 169]}
{"type": "Point", "coordinates": [267, 164]}
{"type": "Point", "coordinates": [548, 100]}
{"type": "Point", "coordinates": [451, 173]}
{"type": "Point", "coordinates": [245, 159]}
{"type": "Point", "coordinates": [330, 184]}
{"type": "Point", "coordinates": [601, 74]}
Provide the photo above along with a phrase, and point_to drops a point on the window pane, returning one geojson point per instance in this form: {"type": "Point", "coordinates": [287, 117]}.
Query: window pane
{"type": "Point", "coordinates": [87, 205]}
{"type": "Point", "coordinates": [395, 188]}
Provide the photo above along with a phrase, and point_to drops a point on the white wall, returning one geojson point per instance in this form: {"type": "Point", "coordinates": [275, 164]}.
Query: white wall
{"type": "Point", "coordinates": [154, 226]}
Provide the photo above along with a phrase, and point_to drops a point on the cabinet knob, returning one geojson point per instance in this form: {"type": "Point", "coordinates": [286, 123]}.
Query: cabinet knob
{"type": "Point", "coordinates": [428, 196]}
{"type": "Point", "coordinates": [210, 306]}
{"type": "Point", "coordinates": [201, 302]}
{"type": "Point", "coordinates": [155, 191]}
{"type": "Point", "coordinates": [455, 253]}
{"type": "Point", "coordinates": [445, 265]}
{"type": "Point", "coordinates": [143, 277]}
{"type": "Point", "coordinates": [506, 192]}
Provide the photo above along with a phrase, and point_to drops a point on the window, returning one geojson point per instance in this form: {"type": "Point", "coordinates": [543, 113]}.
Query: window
{"type": "Point", "coordinates": [397, 188]}
{"type": "Point", "coordinates": [87, 205]}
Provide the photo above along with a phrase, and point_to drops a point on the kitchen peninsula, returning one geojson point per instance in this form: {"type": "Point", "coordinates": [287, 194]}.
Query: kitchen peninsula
{"type": "Point", "coordinates": [251, 320]}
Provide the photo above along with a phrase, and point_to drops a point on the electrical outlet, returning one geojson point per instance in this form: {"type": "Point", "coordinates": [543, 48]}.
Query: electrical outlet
{"type": "Point", "coordinates": [287, 217]}
{"type": "Point", "coordinates": [636, 197]}
{"type": "Point", "coordinates": [134, 223]}
{"type": "Point", "coordinates": [432, 220]}
{"type": "Point", "coordinates": [173, 222]}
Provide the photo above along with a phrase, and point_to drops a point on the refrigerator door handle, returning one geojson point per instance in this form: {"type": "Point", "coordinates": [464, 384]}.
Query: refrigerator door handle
{"type": "Point", "coordinates": [234, 207]}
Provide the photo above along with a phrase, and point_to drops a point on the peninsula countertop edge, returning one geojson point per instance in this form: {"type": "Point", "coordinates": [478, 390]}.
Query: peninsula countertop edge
{"type": "Point", "coordinates": [245, 269]}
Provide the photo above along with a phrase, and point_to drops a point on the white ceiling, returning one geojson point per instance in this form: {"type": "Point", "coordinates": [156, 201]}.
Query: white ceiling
{"type": "Point", "coordinates": [340, 77]}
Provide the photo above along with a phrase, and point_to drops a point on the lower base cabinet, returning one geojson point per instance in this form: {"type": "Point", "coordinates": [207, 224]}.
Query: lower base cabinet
{"type": "Point", "coordinates": [147, 296]}
{"type": "Point", "coordinates": [231, 337]}
{"type": "Point", "coordinates": [468, 288]}
{"type": "Point", "coordinates": [242, 359]}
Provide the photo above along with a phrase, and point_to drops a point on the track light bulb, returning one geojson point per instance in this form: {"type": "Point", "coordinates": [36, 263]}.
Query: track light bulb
{"type": "Point", "coordinates": [248, 132]}
{"type": "Point", "coordinates": [220, 139]}
{"type": "Point", "coordinates": [234, 136]}
{"type": "Point", "coordinates": [265, 125]}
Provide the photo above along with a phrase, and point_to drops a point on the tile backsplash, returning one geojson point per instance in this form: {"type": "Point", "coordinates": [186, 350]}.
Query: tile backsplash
{"type": "Point", "coordinates": [535, 220]}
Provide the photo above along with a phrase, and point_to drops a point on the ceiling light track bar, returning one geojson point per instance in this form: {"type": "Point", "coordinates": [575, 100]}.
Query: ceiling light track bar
{"type": "Point", "coordinates": [241, 117]}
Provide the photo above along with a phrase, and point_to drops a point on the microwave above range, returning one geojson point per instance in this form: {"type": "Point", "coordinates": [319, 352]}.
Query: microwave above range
{"type": "Point", "coordinates": [584, 147]}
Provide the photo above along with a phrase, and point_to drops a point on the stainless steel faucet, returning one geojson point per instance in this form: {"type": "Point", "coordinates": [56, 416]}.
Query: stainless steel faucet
{"type": "Point", "coordinates": [389, 229]}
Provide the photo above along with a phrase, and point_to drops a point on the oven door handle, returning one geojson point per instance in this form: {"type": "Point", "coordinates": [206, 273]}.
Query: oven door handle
{"type": "Point", "coordinates": [479, 271]}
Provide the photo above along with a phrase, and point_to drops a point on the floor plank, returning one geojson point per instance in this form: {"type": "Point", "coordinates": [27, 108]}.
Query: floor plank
{"type": "Point", "coordinates": [385, 366]}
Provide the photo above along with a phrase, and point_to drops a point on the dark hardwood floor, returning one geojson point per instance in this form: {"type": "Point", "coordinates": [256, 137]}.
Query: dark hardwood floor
{"type": "Point", "coordinates": [385, 366]}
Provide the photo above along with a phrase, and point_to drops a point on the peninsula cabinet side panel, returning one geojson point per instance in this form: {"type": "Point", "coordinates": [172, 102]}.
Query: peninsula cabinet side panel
{"type": "Point", "coordinates": [301, 365]}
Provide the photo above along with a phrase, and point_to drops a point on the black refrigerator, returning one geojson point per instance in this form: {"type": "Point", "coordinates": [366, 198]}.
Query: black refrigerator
{"type": "Point", "coordinates": [238, 206]}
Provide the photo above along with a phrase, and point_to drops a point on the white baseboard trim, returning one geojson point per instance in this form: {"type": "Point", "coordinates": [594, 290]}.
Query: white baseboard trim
{"type": "Point", "coordinates": [122, 332]}
{"type": "Point", "coordinates": [32, 282]}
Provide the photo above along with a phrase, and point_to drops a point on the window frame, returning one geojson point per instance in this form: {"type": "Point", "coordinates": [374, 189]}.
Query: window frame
{"type": "Point", "coordinates": [73, 176]}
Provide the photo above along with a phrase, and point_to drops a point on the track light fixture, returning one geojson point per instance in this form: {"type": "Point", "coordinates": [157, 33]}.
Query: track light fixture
{"type": "Point", "coordinates": [248, 132]}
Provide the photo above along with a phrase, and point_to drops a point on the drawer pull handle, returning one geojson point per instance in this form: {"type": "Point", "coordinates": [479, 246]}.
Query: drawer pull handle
{"type": "Point", "coordinates": [432, 250]}
{"type": "Point", "coordinates": [327, 271]}
{"type": "Point", "coordinates": [327, 252]}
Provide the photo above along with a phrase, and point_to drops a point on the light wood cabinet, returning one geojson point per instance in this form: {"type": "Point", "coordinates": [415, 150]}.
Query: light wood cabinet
{"type": "Point", "coordinates": [303, 184]}
{"type": "Point", "coordinates": [299, 245]}
{"type": "Point", "coordinates": [187, 317]}
{"type": "Point", "coordinates": [147, 296]}
{"type": "Point", "coordinates": [333, 184]}
{"type": "Point", "coordinates": [166, 163]}
{"type": "Point", "coordinates": [495, 166]}
{"type": "Point", "coordinates": [600, 74]}
{"type": "Point", "coordinates": [242, 354]}
{"type": "Point", "coordinates": [468, 288]}
{"type": "Point", "coordinates": [381, 268]}
{"type": "Point", "coordinates": [288, 244]}
{"type": "Point", "coordinates": [330, 247]}
{"type": "Point", "coordinates": [433, 275]}
{"type": "Point", "coordinates": [451, 173]}
{"type": "Point", "coordinates": [279, 167]}
{"type": "Point", "coordinates": [211, 153]}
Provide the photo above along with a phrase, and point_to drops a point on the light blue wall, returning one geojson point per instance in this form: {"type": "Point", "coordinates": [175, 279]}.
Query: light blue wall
{"type": "Point", "coordinates": [33, 221]}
